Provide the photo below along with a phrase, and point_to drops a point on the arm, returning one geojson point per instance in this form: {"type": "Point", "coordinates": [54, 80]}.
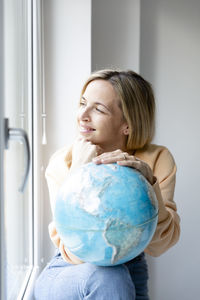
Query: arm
{"type": "Point", "coordinates": [168, 227]}
{"type": "Point", "coordinates": [66, 160]}
{"type": "Point", "coordinates": [157, 165]}
{"type": "Point", "coordinates": [59, 167]}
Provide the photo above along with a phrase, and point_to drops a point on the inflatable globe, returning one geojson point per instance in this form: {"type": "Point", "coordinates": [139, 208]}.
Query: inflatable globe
{"type": "Point", "coordinates": [106, 214]}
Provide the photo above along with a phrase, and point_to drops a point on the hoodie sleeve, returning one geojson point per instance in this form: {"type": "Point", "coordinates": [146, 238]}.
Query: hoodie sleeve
{"type": "Point", "coordinates": [168, 228]}
{"type": "Point", "coordinates": [56, 173]}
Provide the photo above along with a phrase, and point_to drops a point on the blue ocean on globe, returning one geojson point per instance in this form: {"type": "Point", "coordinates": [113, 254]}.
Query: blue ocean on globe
{"type": "Point", "coordinates": [106, 214]}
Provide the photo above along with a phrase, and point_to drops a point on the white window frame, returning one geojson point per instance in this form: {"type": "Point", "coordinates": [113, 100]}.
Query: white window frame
{"type": "Point", "coordinates": [36, 52]}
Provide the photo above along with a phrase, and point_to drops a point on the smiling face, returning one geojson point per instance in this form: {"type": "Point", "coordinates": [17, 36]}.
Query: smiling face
{"type": "Point", "coordinates": [100, 118]}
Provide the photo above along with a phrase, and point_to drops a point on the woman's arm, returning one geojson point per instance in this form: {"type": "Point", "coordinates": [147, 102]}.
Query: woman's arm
{"type": "Point", "coordinates": [163, 171]}
{"type": "Point", "coordinates": [60, 165]}
{"type": "Point", "coordinates": [168, 227]}
{"type": "Point", "coordinates": [157, 165]}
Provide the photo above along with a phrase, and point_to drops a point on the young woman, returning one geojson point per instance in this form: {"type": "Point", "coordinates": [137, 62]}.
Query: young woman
{"type": "Point", "coordinates": [116, 119]}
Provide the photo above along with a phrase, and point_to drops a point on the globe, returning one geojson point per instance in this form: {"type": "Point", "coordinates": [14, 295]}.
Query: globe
{"type": "Point", "coordinates": [106, 214]}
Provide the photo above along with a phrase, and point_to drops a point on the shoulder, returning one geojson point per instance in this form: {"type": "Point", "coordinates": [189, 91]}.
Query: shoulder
{"type": "Point", "coordinates": [155, 152]}
{"type": "Point", "coordinates": [58, 161]}
{"type": "Point", "coordinates": [60, 154]}
{"type": "Point", "coordinates": [159, 158]}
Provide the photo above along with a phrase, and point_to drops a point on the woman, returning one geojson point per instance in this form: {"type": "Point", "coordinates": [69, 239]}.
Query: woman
{"type": "Point", "coordinates": [116, 124]}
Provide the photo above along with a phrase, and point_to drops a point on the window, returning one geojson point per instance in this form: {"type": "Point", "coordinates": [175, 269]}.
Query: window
{"type": "Point", "coordinates": [18, 109]}
{"type": "Point", "coordinates": [20, 88]}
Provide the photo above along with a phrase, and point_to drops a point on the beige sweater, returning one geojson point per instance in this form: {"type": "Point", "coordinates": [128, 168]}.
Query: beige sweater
{"type": "Point", "coordinates": [164, 169]}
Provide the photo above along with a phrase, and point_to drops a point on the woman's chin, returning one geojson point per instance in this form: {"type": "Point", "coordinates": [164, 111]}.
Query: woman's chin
{"type": "Point", "coordinates": [87, 138]}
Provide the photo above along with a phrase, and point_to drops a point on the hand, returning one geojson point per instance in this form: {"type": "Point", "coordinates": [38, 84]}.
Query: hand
{"type": "Point", "coordinates": [83, 152]}
{"type": "Point", "coordinates": [125, 159]}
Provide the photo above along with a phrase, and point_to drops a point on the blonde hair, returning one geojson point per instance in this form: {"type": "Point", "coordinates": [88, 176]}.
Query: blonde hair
{"type": "Point", "coordinates": [137, 104]}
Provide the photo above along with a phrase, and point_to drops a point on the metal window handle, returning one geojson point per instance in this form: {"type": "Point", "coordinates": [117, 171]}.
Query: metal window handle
{"type": "Point", "coordinates": [18, 134]}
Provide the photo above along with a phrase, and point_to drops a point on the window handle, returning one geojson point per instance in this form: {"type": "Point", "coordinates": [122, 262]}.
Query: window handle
{"type": "Point", "coordinates": [18, 134]}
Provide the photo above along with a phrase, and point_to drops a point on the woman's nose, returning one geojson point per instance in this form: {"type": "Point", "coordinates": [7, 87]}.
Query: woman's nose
{"type": "Point", "coordinates": [85, 114]}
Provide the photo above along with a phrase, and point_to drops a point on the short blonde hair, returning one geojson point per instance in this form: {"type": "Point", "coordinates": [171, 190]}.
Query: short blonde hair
{"type": "Point", "coordinates": [137, 104]}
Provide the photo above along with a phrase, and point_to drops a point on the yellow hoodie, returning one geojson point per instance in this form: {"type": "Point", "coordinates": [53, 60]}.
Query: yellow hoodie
{"type": "Point", "coordinates": [164, 169]}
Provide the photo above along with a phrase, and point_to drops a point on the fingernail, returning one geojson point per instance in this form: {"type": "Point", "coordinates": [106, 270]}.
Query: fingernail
{"type": "Point", "coordinates": [97, 161]}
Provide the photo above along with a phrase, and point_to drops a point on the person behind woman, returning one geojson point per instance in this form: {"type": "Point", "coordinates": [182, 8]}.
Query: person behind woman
{"type": "Point", "coordinates": [116, 121]}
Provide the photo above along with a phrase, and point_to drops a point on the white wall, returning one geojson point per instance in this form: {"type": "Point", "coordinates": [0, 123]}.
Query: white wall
{"type": "Point", "coordinates": [170, 47]}
{"type": "Point", "coordinates": [67, 63]}
{"type": "Point", "coordinates": [67, 42]}
{"type": "Point", "coordinates": [115, 34]}
{"type": "Point", "coordinates": [161, 39]}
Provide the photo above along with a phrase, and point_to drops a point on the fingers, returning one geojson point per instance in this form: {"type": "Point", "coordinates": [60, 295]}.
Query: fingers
{"type": "Point", "coordinates": [82, 142]}
{"type": "Point", "coordinates": [124, 159]}
{"type": "Point", "coordinates": [83, 152]}
{"type": "Point", "coordinates": [136, 164]}
{"type": "Point", "coordinates": [141, 167]}
{"type": "Point", "coordinates": [113, 157]}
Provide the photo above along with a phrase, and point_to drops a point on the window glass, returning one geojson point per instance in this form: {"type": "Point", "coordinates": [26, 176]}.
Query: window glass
{"type": "Point", "coordinates": [18, 206]}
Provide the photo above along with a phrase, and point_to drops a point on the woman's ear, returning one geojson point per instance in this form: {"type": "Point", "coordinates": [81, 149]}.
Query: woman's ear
{"type": "Point", "coordinates": [126, 130]}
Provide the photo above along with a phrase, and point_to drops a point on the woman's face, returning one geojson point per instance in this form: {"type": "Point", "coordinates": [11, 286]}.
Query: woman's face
{"type": "Point", "coordinates": [100, 118]}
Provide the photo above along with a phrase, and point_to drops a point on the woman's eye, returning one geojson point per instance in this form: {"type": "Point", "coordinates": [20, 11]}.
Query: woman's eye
{"type": "Point", "coordinates": [99, 110]}
{"type": "Point", "coordinates": [82, 103]}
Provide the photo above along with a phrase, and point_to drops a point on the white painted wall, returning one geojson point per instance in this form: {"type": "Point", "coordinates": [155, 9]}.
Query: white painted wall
{"type": "Point", "coordinates": [170, 47]}
{"type": "Point", "coordinates": [67, 42]}
{"type": "Point", "coordinates": [67, 64]}
{"type": "Point", "coordinates": [115, 34]}
{"type": "Point", "coordinates": [165, 47]}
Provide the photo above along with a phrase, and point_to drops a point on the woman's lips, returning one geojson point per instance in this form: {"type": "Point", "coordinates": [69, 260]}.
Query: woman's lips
{"type": "Point", "coordinates": [86, 129]}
